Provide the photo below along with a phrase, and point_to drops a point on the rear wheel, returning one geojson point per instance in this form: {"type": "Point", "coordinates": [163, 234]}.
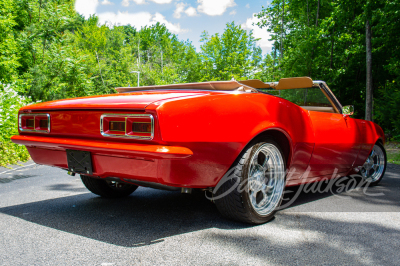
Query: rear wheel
{"type": "Point", "coordinates": [107, 189]}
{"type": "Point", "coordinates": [375, 166]}
{"type": "Point", "coordinates": [254, 189]}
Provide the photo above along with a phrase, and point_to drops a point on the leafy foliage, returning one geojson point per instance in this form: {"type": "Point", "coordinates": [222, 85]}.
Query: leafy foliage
{"type": "Point", "coordinates": [326, 40]}
{"type": "Point", "coordinates": [8, 44]}
{"type": "Point", "coordinates": [49, 52]}
{"type": "Point", "coordinates": [10, 153]}
{"type": "Point", "coordinates": [231, 55]}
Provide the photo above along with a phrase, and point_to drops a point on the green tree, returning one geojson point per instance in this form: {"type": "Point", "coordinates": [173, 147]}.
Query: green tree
{"type": "Point", "coordinates": [327, 40]}
{"type": "Point", "coordinates": [233, 54]}
{"type": "Point", "coordinates": [9, 53]}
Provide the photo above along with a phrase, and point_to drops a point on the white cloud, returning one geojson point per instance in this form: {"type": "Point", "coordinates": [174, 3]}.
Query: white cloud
{"type": "Point", "coordinates": [106, 2]}
{"type": "Point", "coordinates": [124, 18]}
{"type": "Point", "coordinates": [233, 12]}
{"type": "Point", "coordinates": [137, 20]}
{"type": "Point", "coordinates": [162, 1]}
{"type": "Point", "coordinates": [125, 2]}
{"type": "Point", "coordinates": [191, 11]}
{"type": "Point", "coordinates": [86, 7]}
{"type": "Point", "coordinates": [265, 45]}
{"type": "Point", "coordinates": [174, 28]}
{"type": "Point", "coordinates": [247, 6]}
{"type": "Point", "coordinates": [141, 2]}
{"type": "Point", "coordinates": [180, 7]}
{"type": "Point", "coordinates": [213, 7]}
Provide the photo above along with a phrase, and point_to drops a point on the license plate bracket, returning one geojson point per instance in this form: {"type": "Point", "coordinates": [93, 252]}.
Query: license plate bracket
{"type": "Point", "coordinates": [79, 162]}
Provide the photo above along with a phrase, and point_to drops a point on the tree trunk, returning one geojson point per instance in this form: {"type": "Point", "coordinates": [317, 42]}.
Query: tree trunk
{"type": "Point", "coordinates": [332, 43]}
{"type": "Point", "coordinates": [316, 20]}
{"type": "Point", "coordinates": [98, 61]}
{"type": "Point", "coordinates": [40, 7]}
{"type": "Point", "coordinates": [282, 21]}
{"type": "Point", "coordinates": [308, 18]}
{"type": "Point", "coordinates": [33, 56]}
{"type": "Point", "coordinates": [369, 95]}
{"type": "Point", "coordinates": [44, 46]}
{"type": "Point", "coordinates": [273, 64]}
{"type": "Point", "coordinates": [308, 21]}
{"type": "Point", "coordinates": [138, 52]}
{"type": "Point", "coordinates": [162, 66]}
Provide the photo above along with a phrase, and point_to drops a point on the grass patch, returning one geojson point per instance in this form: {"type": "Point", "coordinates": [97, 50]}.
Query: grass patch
{"type": "Point", "coordinates": [393, 152]}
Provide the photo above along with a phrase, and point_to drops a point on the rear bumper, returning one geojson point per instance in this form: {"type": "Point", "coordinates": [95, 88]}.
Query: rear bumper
{"type": "Point", "coordinates": [111, 148]}
{"type": "Point", "coordinates": [110, 159]}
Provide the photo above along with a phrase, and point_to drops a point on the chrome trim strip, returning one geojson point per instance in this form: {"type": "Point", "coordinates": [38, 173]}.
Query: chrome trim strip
{"type": "Point", "coordinates": [34, 121]}
{"type": "Point", "coordinates": [126, 116]}
{"type": "Point", "coordinates": [322, 85]}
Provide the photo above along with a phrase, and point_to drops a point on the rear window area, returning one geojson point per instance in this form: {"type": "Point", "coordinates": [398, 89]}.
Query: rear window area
{"type": "Point", "coordinates": [302, 97]}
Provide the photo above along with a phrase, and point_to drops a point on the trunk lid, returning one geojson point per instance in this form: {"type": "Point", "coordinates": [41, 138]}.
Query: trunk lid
{"type": "Point", "coordinates": [123, 101]}
{"type": "Point", "coordinates": [80, 117]}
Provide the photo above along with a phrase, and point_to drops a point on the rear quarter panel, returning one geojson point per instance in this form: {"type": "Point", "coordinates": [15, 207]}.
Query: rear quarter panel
{"type": "Point", "coordinates": [217, 127]}
{"type": "Point", "coordinates": [368, 135]}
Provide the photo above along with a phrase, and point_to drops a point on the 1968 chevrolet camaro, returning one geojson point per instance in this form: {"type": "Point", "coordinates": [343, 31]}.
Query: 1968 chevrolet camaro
{"type": "Point", "coordinates": [240, 141]}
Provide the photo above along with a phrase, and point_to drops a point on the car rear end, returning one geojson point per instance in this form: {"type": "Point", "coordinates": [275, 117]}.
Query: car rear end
{"type": "Point", "coordinates": [102, 137]}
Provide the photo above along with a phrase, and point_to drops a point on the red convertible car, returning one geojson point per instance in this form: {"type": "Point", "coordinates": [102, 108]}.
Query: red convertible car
{"type": "Point", "coordinates": [241, 141]}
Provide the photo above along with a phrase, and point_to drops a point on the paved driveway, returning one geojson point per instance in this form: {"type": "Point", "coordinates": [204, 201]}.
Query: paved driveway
{"type": "Point", "coordinates": [49, 218]}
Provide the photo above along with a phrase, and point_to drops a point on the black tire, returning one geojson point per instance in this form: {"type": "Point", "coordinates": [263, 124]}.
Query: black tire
{"type": "Point", "coordinates": [235, 203]}
{"type": "Point", "coordinates": [383, 162]}
{"type": "Point", "coordinates": [107, 189]}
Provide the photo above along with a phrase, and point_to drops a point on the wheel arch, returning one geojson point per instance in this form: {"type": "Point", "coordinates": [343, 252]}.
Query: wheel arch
{"type": "Point", "coordinates": [277, 134]}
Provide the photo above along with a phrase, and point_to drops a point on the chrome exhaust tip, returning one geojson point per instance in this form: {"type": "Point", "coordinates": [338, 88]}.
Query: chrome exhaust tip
{"type": "Point", "coordinates": [186, 190]}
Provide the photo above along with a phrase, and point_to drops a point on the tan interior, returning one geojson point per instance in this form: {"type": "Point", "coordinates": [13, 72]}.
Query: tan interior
{"type": "Point", "coordinates": [212, 85]}
{"type": "Point", "coordinates": [283, 84]}
{"type": "Point", "coordinates": [243, 85]}
{"type": "Point", "coordinates": [294, 83]}
{"type": "Point", "coordinates": [255, 83]}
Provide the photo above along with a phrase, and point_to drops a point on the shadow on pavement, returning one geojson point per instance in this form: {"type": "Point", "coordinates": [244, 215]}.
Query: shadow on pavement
{"type": "Point", "coordinates": [319, 241]}
{"type": "Point", "coordinates": [14, 177]}
{"type": "Point", "coordinates": [383, 197]}
{"type": "Point", "coordinates": [67, 187]}
{"type": "Point", "coordinates": [146, 217]}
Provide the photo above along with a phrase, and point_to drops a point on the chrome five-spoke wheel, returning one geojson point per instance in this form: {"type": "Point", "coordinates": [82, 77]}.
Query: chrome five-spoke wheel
{"type": "Point", "coordinates": [254, 188]}
{"type": "Point", "coordinates": [375, 165]}
{"type": "Point", "coordinates": [266, 179]}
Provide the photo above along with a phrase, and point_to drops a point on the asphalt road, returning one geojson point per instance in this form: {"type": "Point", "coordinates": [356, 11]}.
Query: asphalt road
{"type": "Point", "coordinates": [49, 218]}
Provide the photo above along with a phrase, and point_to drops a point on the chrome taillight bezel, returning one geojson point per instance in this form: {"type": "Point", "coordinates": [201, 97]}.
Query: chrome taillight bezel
{"type": "Point", "coordinates": [126, 117]}
{"type": "Point", "coordinates": [34, 116]}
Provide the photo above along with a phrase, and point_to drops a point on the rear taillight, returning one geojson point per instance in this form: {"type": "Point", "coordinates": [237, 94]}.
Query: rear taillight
{"type": "Point", "coordinates": [39, 123]}
{"type": "Point", "coordinates": [138, 126]}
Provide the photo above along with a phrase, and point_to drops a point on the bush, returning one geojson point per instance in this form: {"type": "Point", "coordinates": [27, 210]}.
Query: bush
{"type": "Point", "coordinates": [10, 102]}
{"type": "Point", "coordinates": [387, 112]}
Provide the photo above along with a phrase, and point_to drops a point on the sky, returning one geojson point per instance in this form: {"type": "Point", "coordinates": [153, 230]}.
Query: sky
{"type": "Point", "coordinates": [186, 18]}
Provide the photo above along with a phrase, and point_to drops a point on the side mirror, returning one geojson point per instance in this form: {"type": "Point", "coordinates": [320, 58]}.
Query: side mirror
{"type": "Point", "coordinates": [348, 110]}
